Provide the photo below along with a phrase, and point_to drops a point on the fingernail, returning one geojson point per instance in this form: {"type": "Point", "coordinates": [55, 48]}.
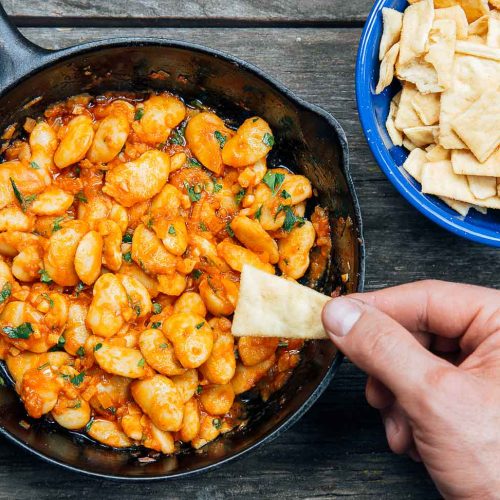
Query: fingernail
{"type": "Point", "coordinates": [340, 315]}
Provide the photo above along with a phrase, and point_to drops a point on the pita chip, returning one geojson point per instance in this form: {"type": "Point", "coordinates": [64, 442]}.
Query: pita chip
{"type": "Point", "coordinates": [395, 134]}
{"type": "Point", "coordinates": [414, 163]}
{"type": "Point", "coordinates": [465, 163]}
{"type": "Point", "coordinates": [387, 68]}
{"type": "Point", "coordinates": [437, 153]}
{"type": "Point", "coordinates": [408, 144]}
{"type": "Point", "coordinates": [270, 306]}
{"type": "Point", "coordinates": [442, 39]}
{"type": "Point", "coordinates": [456, 14]}
{"type": "Point", "coordinates": [479, 126]}
{"type": "Point", "coordinates": [479, 27]}
{"type": "Point", "coordinates": [482, 187]}
{"type": "Point", "coordinates": [406, 115]}
{"type": "Point", "coordinates": [433, 71]}
{"type": "Point", "coordinates": [459, 206]}
{"type": "Point", "coordinates": [417, 23]}
{"type": "Point", "coordinates": [493, 37]}
{"type": "Point", "coordinates": [465, 89]}
{"type": "Point", "coordinates": [393, 22]}
{"type": "Point", "coordinates": [422, 136]}
{"type": "Point", "coordinates": [478, 50]}
{"type": "Point", "coordinates": [427, 107]}
{"type": "Point", "coordinates": [473, 9]}
{"type": "Point", "coordinates": [439, 179]}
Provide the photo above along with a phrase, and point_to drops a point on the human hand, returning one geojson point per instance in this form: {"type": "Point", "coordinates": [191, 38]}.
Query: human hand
{"type": "Point", "coordinates": [432, 353]}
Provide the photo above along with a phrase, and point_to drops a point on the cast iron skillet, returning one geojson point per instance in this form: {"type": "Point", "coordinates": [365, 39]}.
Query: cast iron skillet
{"type": "Point", "coordinates": [307, 138]}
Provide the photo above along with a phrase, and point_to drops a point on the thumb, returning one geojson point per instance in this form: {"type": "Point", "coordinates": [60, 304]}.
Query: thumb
{"type": "Point", "coordinates": [380, 346]}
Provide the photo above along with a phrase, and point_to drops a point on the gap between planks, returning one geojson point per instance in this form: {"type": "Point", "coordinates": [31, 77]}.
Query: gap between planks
{"type": "Point", "coordinates": [172, 22]}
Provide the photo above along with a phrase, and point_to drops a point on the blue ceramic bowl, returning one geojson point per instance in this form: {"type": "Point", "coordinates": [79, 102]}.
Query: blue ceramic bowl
{"type": "Point", "coordinates": [373, 110]}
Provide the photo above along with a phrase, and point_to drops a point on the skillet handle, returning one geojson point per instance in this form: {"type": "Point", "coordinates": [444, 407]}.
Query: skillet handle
{"type": "Point", "coordinates": [17, 54]}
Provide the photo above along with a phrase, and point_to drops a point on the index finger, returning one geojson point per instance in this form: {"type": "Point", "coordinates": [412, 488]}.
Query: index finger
{"type": "Point", "coordinates": [451, 310]}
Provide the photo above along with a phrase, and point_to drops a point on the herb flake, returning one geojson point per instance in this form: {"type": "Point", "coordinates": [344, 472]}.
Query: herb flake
{"type": "Point", "coordinates": [268, 139]}
{"type": "Point", "coordinates": [23, 331]}
{"type": "Point", "coordinates": [274, 180]}
{"type": "Point", "coordinates": [6, 291]}
{"type": "Point", "coordinates": [220, 138]}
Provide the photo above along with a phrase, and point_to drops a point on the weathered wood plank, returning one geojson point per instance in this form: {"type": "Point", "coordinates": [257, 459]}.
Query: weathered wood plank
{"type": "Point", "coordinates": [177, 12]}
{"type": "Point", "coordinates": [338, 448]}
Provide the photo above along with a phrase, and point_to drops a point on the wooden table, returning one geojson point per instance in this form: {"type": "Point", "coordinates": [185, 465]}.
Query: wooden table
{"type": "Point", "coordinates": [339, 447]}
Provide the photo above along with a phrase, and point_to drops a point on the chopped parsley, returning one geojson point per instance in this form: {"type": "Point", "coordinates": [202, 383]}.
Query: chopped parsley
{"type": "Point", "coordinates": [44, 276]}
{"type": "Point", "coordinates": [34, 165]}
{"type": "Point", "coordinates": [57, 224]}
{"type": "Point", "coordinates": [157, 325]}
{"type": "Point", "coordinates": [97, 346]}
{"type": "Point", "coordinates": [2, 382]}
{"type": "Point", "coordinates": [77, 405]}
{"type": "Point", "coordinates": [127, 257]}
{"type": "Point", "coordinates": [239, 195]}
{"type": "Point", "coordinates": [89, 425]}
{"type": "Point", "coordinates": [220, 138]}
{"type": "Point", "coordinates": [217, 423]}
{"type": "Point", "coordinates": [290, 218]}
{"type": "Point", "coordinates": [80, 352]}
{"type": "Point", "coordinates": [255, 119]}
{"type": "Point", "coordinates": [5, 293]}
{"type": "Point", "coordinates": [46, 296]}
{"type": "Point", "coordinates": [229, 230]}
{"type": "Point", "coordinates": [150, 223]}
{"type": "Point", "coordinates": [283, 343]}
{"type": "Point", "coordinates": [139, 113]}
{"type": "Point", "coordinates": [61, 342]}
{"type": "Point", "coordinates": [199, 325]}
{"type": "Point", "coordinates": [77, 379]}
{"type": "Point", "coordinates": [177, 136]}
{"type": "Point", "coordinates": [157, 308]}
{"type": "Point", "coordinates": [127, 238]}
{"type": "Point", "coordinates": [24, 201]}
{"type": "Point", "coordinates": [202, 226]}
{"type": "Point", "coordinates": [163, 345]}
{"type": "Point", "coordinates": [191, 191]}
{"type": "Point", "coordinates": [273, 180]}
{"type": "Point", "coordinates": [23, 331]}
{"type": "Point", "coordinates": [79, 288]}
{"type": "Point", "coordinates": [141, 362]}
{"type": "Point", "coordinates": [196, 103]}
{"type": "Point", "coordinates": [258, 213]}
{"type": "Point", "coordinates": [81, 197]}
{"type": "Point", "coordinates": [193, 162]}
{"type": "Point", "coordinates": [171, 230]}
{"type": "Point", "coordinates": [42, 367]}
{"type": "Point", "coordinates": [268, 139]}
{"type": "Point", "coordinates": [199, 389]}
{"type": "Point", "coordinates": [196, 273]}
{"type": "Point", "coordinates": [111, 410]}
{"type": "Point", "coordinates": [285, 195]}
{"type": "Point", "coordinates": [137, 310]}
{"type": "Point", "coordinates": [217, 187]}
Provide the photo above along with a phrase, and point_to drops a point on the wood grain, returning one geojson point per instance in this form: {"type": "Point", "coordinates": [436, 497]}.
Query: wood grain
{"type": "Point", "coordinates": [179, 12]}
{"type": "Point", "coordinates": [338, 449]}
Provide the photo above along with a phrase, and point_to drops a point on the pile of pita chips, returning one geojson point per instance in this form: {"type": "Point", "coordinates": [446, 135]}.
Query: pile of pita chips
{"type": "Point", "coordinates": [270, 306]}
{"type": "Point", "coordinates": [446, 54]}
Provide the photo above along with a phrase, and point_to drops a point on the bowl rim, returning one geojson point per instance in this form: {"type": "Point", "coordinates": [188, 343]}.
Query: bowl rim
{"type": "Point", "coordinates": [55, 57]}
{"type": "Point", "coordinates": [423, 203]}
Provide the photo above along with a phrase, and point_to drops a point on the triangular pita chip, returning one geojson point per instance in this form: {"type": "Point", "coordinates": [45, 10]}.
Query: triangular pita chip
{"type": "Point", "coordinates": [482, 187]}
{"type": "Point", "coordinates": [479, 126]}
{"type": "Point", "coordinates": [467, 86]}
{"type": "Point", "coordinates": [465, 163]}
{"type": "Point", "coordinates": [392, 21]}
{"type": "Point", "coordinates": [457, 14]}
{"type": "Point", "coordinates": [417, 22]}
{"type": "Point", "coordinates": [284, 308]}
{"type": "Point", "coordinates": [387, 68]}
